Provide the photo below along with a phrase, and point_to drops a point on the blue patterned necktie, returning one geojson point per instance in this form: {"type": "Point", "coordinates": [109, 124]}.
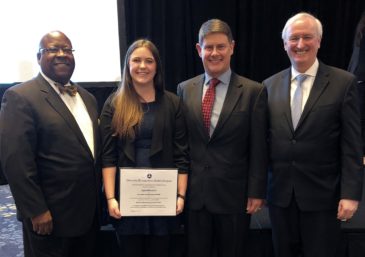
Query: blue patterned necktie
{"type": "Point", "coordinates": [296, 106]}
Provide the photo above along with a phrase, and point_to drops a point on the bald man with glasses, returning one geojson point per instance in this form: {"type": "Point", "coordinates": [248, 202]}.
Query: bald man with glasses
{"type": "Point", "coordinates": [49, 152]}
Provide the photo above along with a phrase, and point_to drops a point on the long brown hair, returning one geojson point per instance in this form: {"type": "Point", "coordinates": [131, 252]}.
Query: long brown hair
{"type": "Point", "coordinates": [128, 112]}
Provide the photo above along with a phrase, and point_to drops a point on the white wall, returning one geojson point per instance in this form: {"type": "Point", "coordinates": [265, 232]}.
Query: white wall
{"type": "Point", "coordinates": [91, 25]}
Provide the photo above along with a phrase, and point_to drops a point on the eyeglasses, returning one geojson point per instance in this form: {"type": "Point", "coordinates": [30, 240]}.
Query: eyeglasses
{"type": "Point", "coordinates": [56, 50]}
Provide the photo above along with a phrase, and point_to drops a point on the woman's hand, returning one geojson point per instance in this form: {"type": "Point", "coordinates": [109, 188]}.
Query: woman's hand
{"type": "Point", "coordinates": [179, 205]}
{"type": "Point", "coordinates": [113, 208]}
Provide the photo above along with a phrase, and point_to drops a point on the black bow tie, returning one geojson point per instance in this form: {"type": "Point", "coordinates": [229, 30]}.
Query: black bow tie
{"type": "Point", "coordinates": [71, 89]}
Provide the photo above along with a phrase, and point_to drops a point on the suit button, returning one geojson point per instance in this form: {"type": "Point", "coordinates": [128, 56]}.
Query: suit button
{"type": "Point", "coordinates": [206, 167]}
{"type": "Point", "coordinates": [292, 162]}
{"type": "Point", "coordinates": [293, 141]}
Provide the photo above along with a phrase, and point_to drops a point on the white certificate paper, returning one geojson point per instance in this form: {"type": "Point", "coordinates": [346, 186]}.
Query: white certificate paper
{"type": "Point", "coordinates": [148, 192]}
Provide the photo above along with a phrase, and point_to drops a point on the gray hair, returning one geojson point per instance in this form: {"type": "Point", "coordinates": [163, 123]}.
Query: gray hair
{"type": "Point", "coordinates": [302, 15]}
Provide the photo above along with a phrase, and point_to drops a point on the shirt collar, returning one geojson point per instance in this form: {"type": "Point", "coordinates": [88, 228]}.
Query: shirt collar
{"type": "Point", "coordinates": [312, 71]}
{"type": "Point", "coordinates": [52, 82]}
{"type": "Point", "coordinates": [224, 78]}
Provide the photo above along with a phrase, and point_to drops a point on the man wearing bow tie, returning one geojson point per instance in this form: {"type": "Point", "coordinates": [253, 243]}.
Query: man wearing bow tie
{"type": "Point", "coordinates": [49, 148]}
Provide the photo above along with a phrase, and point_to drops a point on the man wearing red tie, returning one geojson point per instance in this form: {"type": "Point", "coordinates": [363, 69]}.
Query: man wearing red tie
{"type": "Point", "coordinates": [226, 119]}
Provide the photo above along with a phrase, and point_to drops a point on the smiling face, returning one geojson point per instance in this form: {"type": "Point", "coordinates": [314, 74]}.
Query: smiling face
{"type": "Point", "coordinates": [301, 42]}
{"type": "Point", "coordinates": [142, 67]}
{"type": "Point", "coordinates": [216, 51]}
{"type": "Point", "coordinates": [59, 65]}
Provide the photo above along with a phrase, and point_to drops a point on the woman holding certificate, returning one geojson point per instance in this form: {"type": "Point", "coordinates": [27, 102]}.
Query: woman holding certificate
{"type": "Point", "coordinates": [142, 126]}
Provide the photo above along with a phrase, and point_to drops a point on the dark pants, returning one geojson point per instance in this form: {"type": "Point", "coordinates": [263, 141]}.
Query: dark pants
{"type": "Point", "coordinates": [51, 246]}
{"type": "Point", "coordinates": [304, 233]}
{"type": "Point", "coordinates": [143, 245]}
{"type": "Point", "coordinates": [225, 233]}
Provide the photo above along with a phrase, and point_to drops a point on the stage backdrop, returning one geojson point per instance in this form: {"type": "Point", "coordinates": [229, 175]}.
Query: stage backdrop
{"type": "Point", "coordinates": [92, 26]}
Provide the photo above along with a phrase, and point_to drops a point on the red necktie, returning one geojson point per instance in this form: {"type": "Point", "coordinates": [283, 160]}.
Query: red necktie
{"type": "Point", "coordinates": [208, 102]}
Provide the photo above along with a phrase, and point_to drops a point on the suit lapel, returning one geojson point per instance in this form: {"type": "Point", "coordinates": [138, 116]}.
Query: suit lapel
{"type": "Point", "coordinates": [93, 114]}
{"type": "Point", "coordinates": [59, 106]}
{"type": "Point", "coordinates": [319, 85]}
{"type": "Point", "coordinates": [197, 94]}
{"type": "Point", "coordinates": [233, 95]}
{"type": "Point", "coordinates": [158, 127]}
{"type": "Point", "coordinates": [285, 98]}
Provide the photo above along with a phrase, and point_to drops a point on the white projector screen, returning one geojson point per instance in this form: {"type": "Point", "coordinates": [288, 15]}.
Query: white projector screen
{"type": "Point", "coordinates": [91, 25]}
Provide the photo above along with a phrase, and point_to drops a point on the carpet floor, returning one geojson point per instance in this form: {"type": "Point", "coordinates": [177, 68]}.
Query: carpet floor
{"type": "Point", "coordinates": [11, 241]}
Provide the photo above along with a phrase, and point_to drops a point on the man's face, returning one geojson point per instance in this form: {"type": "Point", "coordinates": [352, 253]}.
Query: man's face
{"type": "Point", "coordinates": [302, 43]}
{"type": "Point", "coordinates": [216, 51]}
{"type": "Point", "coordinates": [55, 58]}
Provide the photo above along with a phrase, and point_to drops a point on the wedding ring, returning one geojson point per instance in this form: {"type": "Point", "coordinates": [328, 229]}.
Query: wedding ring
{"type": "Point", "coordinates": [344, 220]}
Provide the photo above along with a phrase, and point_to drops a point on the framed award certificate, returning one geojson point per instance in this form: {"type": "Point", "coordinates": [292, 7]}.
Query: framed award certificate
{"type": "Point", "coordinates": [147, 192]}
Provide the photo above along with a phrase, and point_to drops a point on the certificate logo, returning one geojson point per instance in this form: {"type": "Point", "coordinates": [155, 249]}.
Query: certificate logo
{"type": "Point", "coordinates": [149, 175]}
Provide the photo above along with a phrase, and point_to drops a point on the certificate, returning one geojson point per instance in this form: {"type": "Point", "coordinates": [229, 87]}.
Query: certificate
{"type": "Point", "coordinates": [148, 192]}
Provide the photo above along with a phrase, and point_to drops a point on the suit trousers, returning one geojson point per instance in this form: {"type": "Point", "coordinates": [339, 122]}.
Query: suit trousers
{"type": "Point", "coordinates": [144, 245]}
{"type": "Point", "coordinates": [304, 233]}
{"type": "Point", "coordinates": [52, 246]}
{"type": "Point", "coordinates": [225, 233]}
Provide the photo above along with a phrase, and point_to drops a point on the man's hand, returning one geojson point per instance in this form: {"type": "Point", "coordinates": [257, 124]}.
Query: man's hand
{"type": "Point", "coordinates": [346, 209]}
{"type": "Point", "coordinates": [42, 224]}
{"type": "Point", "coordinates": [254, 205]}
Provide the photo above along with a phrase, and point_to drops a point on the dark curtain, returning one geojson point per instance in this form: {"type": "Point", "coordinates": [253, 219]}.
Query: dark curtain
{"type": "Point", "coordinates": [256, 25]}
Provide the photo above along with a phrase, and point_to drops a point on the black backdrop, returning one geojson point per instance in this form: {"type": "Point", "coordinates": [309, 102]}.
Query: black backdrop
{"type": "Point", "coordinates": [256, 25]}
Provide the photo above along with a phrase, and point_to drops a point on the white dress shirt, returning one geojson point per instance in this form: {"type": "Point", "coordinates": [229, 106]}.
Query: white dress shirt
{"type": "Point", "coordinates": [77, 107]}
{"type": "Point", "coordinates": [306, 84]}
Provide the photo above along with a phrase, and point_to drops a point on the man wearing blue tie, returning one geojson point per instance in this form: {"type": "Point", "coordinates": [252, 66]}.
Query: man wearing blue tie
{"type": "Point", "coordinates": [315, 175]}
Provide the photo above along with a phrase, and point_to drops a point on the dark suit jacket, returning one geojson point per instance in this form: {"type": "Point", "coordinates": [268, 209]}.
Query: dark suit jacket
{"type": "Point", "coordinates": [3, 180]}
{"type": "Point", "coordinates": [232, 164]}
{"type": "Point", "coordinates": [357, 62]}
{"type": "Point", "coordinates": [46, 159]}
{"type": "Point", "coordinates": [321, 159]}
{"type": "Point", "coordinates": [169, 147]}
{"type": "Point", "coordinates": [357, 67]}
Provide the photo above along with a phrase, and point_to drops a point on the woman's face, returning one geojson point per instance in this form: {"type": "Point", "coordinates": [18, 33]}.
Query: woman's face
{"type": "Point", "coordinates": [142, 67]}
